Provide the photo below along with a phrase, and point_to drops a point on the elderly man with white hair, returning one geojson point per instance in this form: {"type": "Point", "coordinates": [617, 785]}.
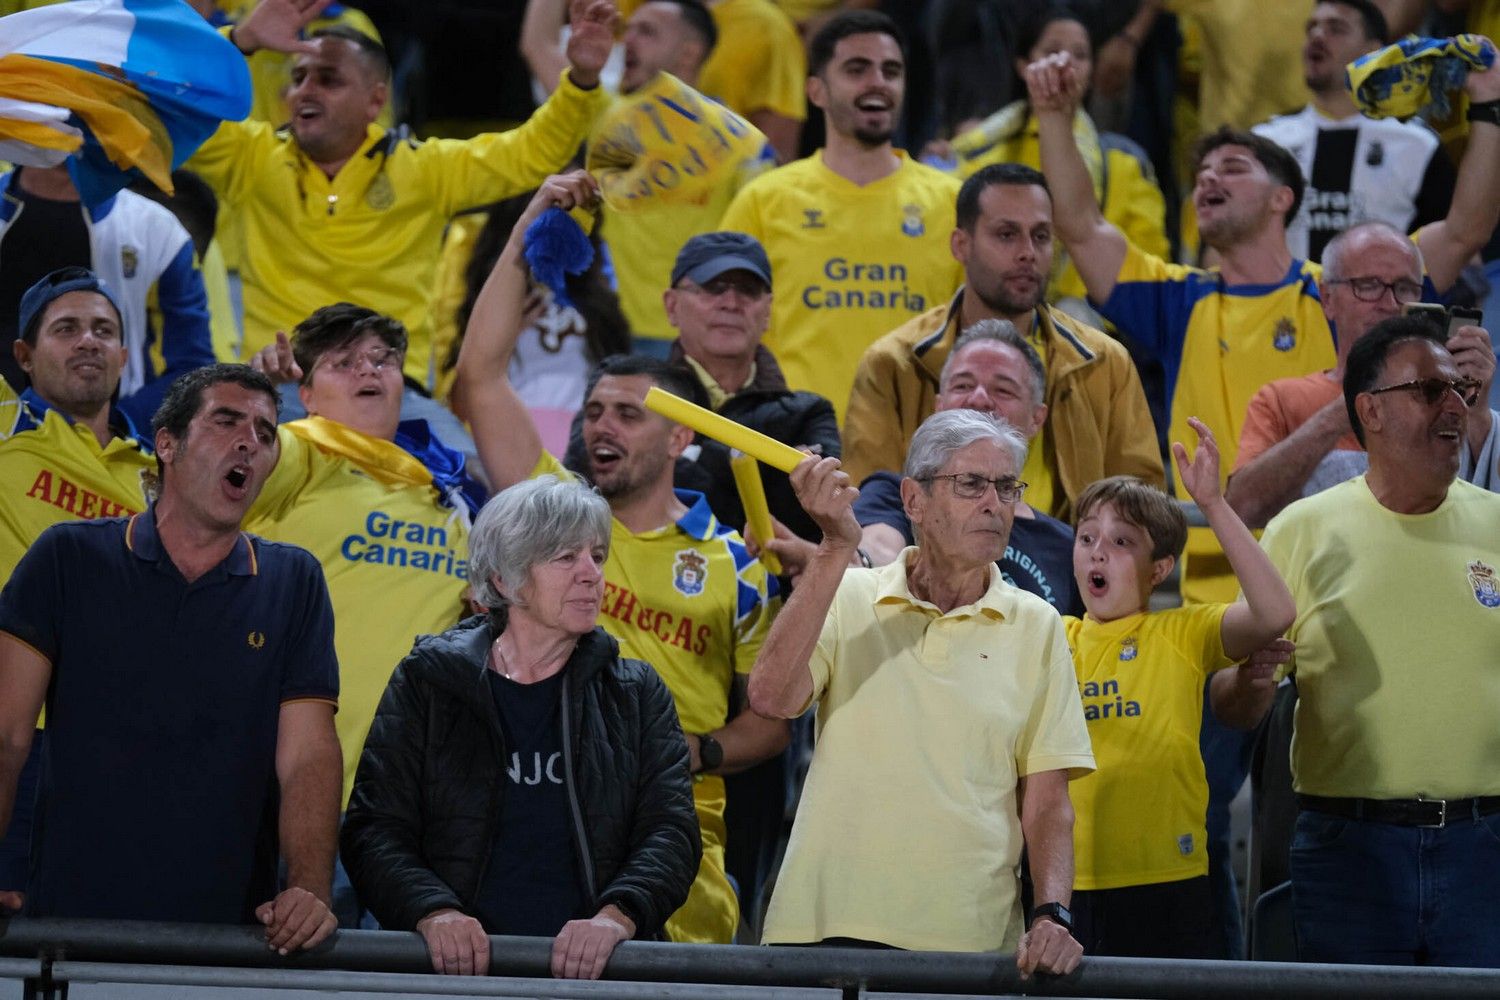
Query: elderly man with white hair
{"type": "Point", "coordinates": [949, 721]}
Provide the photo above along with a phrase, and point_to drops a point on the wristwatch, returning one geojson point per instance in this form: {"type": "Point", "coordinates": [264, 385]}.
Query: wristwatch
{"type": "Point", "coordinates": [710, 753]}
{"type": "Point", "coordinates": [1485, 111]}
{"type": "Point", "coordinates": [1056, 912]}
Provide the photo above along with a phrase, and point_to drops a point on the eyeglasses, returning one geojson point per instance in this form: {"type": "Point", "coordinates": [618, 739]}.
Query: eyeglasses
{"type": "Point", "coordinates": [972, 486]}
{"type": "Point", "coordinates": [746, 285]}
{"type": "Point", "coordinates": [1433, 389]}
{"type": "Point", "coordinates": [378, 358]}
{"type": "Point", "coordinates": [1371, 289]}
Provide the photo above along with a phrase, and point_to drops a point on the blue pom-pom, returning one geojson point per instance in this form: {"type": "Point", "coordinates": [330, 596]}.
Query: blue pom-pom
{"type": "Point", "coordinates": [555, 247]}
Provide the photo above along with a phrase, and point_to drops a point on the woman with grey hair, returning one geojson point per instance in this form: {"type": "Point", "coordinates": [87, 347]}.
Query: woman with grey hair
{"type": "Point", "coordinates": [520, 776]}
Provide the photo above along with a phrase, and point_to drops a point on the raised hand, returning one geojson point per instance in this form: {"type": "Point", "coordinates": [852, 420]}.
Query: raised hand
{"type": "Point", "coordinates": [277, 361]}
{"type": "Point", "coordinates": [1053, 84]}
{"type": "Point", "coordinates": [590, 40]}
{"type": "Point", "coordinates": [828, 496]}
{"type": "Point", "coordinates": [277, 25]}
{"type": "Point", "coordinates": [1200, 474]}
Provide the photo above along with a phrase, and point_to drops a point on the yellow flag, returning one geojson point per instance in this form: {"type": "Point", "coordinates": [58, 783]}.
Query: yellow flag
{"type": "Point", "coordinates": [668, 144]}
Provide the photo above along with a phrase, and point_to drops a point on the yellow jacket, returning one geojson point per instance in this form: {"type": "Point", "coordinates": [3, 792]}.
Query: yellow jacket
{"type": "Point", "coordinates": [371, 234]}
{"type": "Point", "coordinates": [1097, 414]}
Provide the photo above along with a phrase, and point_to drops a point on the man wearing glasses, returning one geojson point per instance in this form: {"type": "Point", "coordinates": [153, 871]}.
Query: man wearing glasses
{"type": "Point", "coordinates": [948, 719]}
{"type": "Point", "coordinates": [1396, 576]}
{"type": "Point", "coordinates": [1297, 440]}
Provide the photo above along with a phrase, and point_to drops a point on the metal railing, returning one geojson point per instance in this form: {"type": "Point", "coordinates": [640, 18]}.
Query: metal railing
{"type": "Point", "coordinates": [59, 944]}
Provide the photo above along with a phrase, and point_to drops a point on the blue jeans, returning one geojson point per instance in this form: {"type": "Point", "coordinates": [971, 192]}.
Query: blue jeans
{"type": "Point", "coordinates": [1381, 894]}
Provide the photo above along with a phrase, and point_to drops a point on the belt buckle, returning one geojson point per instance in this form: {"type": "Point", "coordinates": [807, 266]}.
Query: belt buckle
{"type": "Point", "coordinates": [1442, 805]}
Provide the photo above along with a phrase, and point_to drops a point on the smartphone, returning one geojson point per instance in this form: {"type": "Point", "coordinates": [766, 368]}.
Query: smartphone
{"type": "Point", "coordinates": [1427, 310]}
{"type": "Point", "coordinates": [1461, 316]}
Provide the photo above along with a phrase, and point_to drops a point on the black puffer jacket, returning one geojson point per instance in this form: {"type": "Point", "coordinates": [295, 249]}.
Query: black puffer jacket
{"type": "Point", "coordinates": [426, 797]}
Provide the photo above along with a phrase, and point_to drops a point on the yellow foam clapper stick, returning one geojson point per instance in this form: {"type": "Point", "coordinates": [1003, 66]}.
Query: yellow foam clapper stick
{"type": "Point", "coordinates": [722, 429]}
{"type": "Point", "coordinates": [757, 511]}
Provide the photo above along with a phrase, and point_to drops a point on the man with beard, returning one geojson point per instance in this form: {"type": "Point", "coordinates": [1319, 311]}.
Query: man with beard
{"type": "Point", "coordinates": [1222, 334]}
{"type": "Point", "coordinates": [681, 592]}
{"type": "Point", "coordinates": [856, 232]}
{"type": "Point", "coordinates": [1098, 423]}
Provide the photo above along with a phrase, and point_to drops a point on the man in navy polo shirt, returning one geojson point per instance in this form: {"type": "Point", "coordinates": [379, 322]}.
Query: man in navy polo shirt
{"type": "Point", "coordinates": [190, 684]}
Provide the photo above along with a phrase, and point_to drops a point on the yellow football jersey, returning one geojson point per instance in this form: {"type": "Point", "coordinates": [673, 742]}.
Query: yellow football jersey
{"type": "Point", "coordinates": [1139, 818]}
{"type": "Point", "coordinates": [848, 263]}
{"type": "Point", "coordinates": [1218, 344]}
{"type": "Point", "coordinates": [396, 558]}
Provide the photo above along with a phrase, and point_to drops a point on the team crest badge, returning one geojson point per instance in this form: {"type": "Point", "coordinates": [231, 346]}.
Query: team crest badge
{"type": "Point", "coordinates": [911, 220]}
{"type": "Point", "coordinates": [690, 572]}
{"type": "Point", "coordinates": [380, 196]}
{"type": "Point", "coordinates": [1128, 649]}
{"type": "Point", "coordinates": [1486, 586]}
{"type": "Point", "coordinates": [1185, 845]}
{"type": "Point", "coordinates": [130, 259]}
{"type": "Point", "coordinates": [1285, 336]}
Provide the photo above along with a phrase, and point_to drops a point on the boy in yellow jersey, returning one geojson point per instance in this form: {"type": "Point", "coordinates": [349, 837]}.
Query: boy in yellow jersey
{"type": "Point", "coordinates": [681, 592]}
{"type": "Point", "coordinates": [1141, 877]}
{"type": "Point", "coordinates": [65, 453]}
{"type": "Point", "coordinates": [858, 232]}
{"type": "Point", "coordinates": [336, 208]}
{"type": "Point", "coordinates": [382, 504]}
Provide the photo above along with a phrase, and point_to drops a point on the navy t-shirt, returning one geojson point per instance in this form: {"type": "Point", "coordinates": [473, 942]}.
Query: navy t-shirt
{"type": "Point", "coordinates": [157, 797]}
{"type": "Point", "coordinates": [531, 883]}
{"type": "Point", "coordinates": [1038, 556]}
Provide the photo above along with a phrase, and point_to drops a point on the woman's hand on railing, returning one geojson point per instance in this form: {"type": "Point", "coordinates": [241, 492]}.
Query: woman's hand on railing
{"type": "Point", "coordinates": [456, 942]}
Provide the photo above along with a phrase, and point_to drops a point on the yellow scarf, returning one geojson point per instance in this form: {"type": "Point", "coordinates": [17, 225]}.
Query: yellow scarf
{"type": "Point", "coordinates": [383, 461]}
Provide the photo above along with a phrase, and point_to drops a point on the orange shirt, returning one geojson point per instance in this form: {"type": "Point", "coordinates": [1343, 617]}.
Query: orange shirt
{"type": "Point", "coordinates": [1280, 407]}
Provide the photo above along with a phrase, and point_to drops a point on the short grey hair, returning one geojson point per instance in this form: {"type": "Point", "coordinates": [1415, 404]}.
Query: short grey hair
{"type": "Point", "coordinates": [1333, 253]}
{"type": "Point", "coordinates": [943, 434]}
{"type": "Point", "coordinates": [528, 524]}
{"type": "Point", "coordinates": [999, 331]}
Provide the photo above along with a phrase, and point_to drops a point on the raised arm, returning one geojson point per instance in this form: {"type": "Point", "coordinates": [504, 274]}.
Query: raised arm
{"type": "Point", "coordinates": [1266, 610]}
{"type": "Point", "coordinates": [1449, 244]}
{"type": "Point", "coordinates": [541, 30]}
{"type": "Point", "coordinates": [1096, 245]}
{"type": "Point", "coordinates": [504, 433]}
{"type": "Point", "coordinates": [781, 683]}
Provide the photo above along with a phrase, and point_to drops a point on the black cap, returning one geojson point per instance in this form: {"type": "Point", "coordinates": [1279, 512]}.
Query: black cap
{"type": "Point", "coordinates": [708, 255]}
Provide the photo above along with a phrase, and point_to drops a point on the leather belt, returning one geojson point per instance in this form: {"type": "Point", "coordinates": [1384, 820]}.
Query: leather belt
{"type": "Point", "coordinates": [1433, 813]}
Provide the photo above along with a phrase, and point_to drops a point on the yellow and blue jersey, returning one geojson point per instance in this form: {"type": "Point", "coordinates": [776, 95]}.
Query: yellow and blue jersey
{"type": "Point", "coordinates": [1218, 344]}
{"type": "Point", "coordinates": [393, 546]}
{"type": "Point", "coordinates": [53, 470]}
